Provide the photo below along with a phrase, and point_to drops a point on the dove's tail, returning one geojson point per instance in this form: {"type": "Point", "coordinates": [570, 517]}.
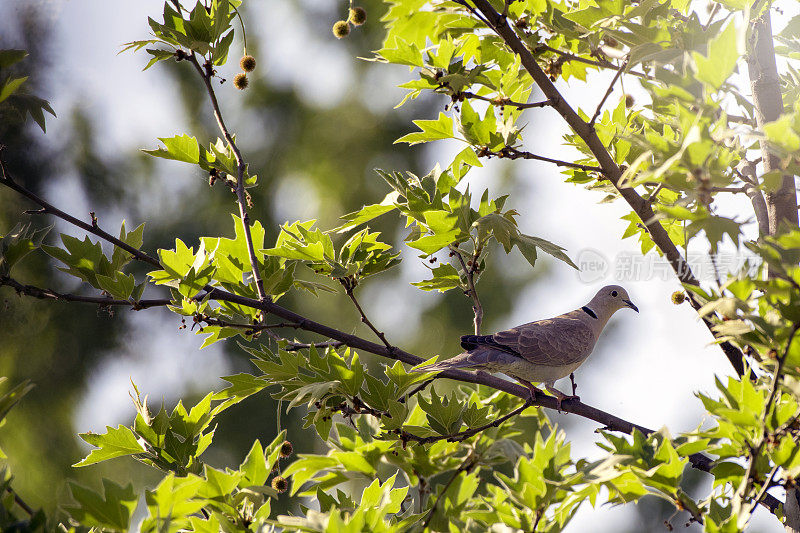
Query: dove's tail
{"type": "Point", "coordinates": [477, 358]}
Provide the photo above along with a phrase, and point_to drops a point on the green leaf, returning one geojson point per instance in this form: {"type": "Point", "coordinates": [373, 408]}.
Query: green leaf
{"type": "Point", "coordinates": [116, 442]}
{"type": "Point", "coordinates": [180, 148]}
{"type": "Point", "coordinates": [722, 57]}
{"type": "Point", "coordinates": [403, 54]}
{"type": "Point", "coordinates": [445, 277]}
{"type": "Point", "coordinates": [444, 414]}
{"type": "Point", "coordinates": [172, 502]}
{"type": "Point", "coordinates": [782, 133]}
{"type": "Point", "coordinates": [9, 57]}
{"type": "Point", "coordinates": [10, 86]}
{"type": "Point", "coordinates": [119, 286]}
{"type": "Point", "coordinates": [10, 398]}
{"type": "Point", "coordinates": [18, 243]}
{"type": "Point", "coordinates": [111, 510]}
{"type": "Point", "coordinates": [527, 245]}
{"type": "Point", "coordinates": [368, 213]}
{"type": "Point", "coordinates": [432, 130]}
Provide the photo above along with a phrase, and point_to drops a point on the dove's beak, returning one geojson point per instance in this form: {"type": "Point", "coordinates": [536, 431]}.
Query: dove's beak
{"type": "Point", "coordinates": [630, 304]}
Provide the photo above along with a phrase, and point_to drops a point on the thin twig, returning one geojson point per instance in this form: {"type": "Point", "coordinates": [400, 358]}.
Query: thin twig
{"type": "Point", "coordinates": [766, 486]}
{"type": "Point", "coordinates": [48, 208]}
{"type": "Point", "coordinates": [711, 16]}
{"type": "Point", "coordinates": [294, 346]}
{"type": "Point", "coordinates": [464, 435]}
{"type": "Point", "coordinates": [499, 101]}
{"type": "Point", "coordinates": [465, 466]}
{"type": "Point", "coordinates": [509, 152]}
{"type": "Point", "coordinates": [19, 501]}
{"type": "Point", "coordinates": [744, 490]}
{"type": "Point", "coordinates": [602, 63]}
{"type": "Point", "coordinates": [365, 320]}
{"type": "Point", "coordinates": [103, 301]}
{"type": "Point", "coordinates": [472, 292]}
{"type": "Point", "coordinates": [241, 198]}
{"type": "Point", "coordinates": [742, 189]}
{"type": "Point", "coordinates": [417, 389]}
{"type": "Point", "coordinates": [608, 92]}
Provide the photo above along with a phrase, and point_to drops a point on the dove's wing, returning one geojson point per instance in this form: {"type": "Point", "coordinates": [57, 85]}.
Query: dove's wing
{"type": "Point", "coordinates": [555, 342]}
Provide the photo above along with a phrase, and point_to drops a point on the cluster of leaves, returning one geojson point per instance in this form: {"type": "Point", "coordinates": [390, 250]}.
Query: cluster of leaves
{"type": "Point", "coordinates": [440, 217]}
{"type": "Point", "coordinates": [678, 152]}
{"type": "Point", "coordinates": [17, 243]}
{"type": "Point", "coordinates": [10, 517]}
{"type": "Point", "coordinates": [16, 103]}
{"type": "Point", "coordinates": [405, 456]}
{"type": "Point", "coordinates": [232, 499]}
{"type": "Point", "coordinates": [85, 260]}
{"type": "Point", "coordinates": [207, 31]}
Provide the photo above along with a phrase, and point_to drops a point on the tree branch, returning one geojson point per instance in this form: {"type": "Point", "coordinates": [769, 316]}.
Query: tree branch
{"type": "Point", "coordinates": [50, 209]}
{"type": "Point", "coordinates": [206, 72]}
{"type": "Point", "coordinates": [609, 421]}
{"type": "Point", "coordinates": [748, 175]}
{"type": "Point", "coordinates": [765, 84]}
{"type": "Point", "coordinates": [743, 491]}
{"type": "Point", "coordinates": [509, 152]}
{"type": "Point", "coordinates": [499, 101]}
{"type": "Point", "coordinates": [608, 166]}
{"type": "Point", "coordinates": [22, 504]}
{"type": "Point", "coordinates": [103, 301]}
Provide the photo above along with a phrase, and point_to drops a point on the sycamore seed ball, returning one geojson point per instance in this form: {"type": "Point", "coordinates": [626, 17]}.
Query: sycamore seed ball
{"type": "Point", "coordinates": [341, 29]}
{"type": "Point", "coordinates": [629, 101]}
{"type": "Point", "coordinates": [240, 81]}
{"type": "Point", "coordinates": [248, 63]}
{"type": "Point", "coordinates": [678, 297]}
{"type": "Point", "coordinates": [286, 449]}
{"type": "Point", "coordinates": [280, 484]}
{"type": "Point", "coordinates": [358, 16]}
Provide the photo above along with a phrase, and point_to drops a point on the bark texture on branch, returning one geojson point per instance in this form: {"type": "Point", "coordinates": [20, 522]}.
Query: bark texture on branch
{"type": "Point", "coordinates": [781, 204]}
{"type": "Point", "coordinates": [765, 84]}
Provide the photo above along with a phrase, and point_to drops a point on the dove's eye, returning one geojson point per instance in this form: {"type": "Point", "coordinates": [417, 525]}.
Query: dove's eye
{"type": "Point", "coordinates": [614, 294]}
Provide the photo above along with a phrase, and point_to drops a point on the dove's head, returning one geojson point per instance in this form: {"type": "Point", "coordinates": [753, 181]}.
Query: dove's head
{"type": "Point", "coordinates": [609, 299]}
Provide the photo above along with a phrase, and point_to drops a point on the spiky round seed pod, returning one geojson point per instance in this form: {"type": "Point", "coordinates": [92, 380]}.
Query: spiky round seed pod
{"type": "Point", "coordinates": [678, 297]}
{"type": "Point", "coordinates": [629, 101]}
{"type": "Point", "coordinates": [248, 63]}
{"type": "Point", "coordinates": [286, 449]}
{"type": "Point", "coordinates": [341, 29]}
{"type": "Point", "coordinates": [358, 16]}
{"type": "Point", "coordinates": [280, 484]}
{"type": "Point", "coordinates": [240, 81]}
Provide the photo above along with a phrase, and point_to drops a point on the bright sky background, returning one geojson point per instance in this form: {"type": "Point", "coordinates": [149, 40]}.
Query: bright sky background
{"type": "Point", "coordinates": [646, 367]}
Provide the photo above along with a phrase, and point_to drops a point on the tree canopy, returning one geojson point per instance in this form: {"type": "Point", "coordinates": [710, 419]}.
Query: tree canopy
{"type": "Point", "coordinates": [415, 451]}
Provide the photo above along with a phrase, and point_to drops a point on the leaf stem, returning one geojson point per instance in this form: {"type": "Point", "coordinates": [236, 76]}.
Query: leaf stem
{"type": "Point", "coordinates": [206, 72]}
{"type": "Point", "coordinates": [472, 292]}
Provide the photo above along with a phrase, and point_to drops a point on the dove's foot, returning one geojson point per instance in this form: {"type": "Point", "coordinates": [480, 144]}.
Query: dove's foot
{"type": "Point", "coordinates": [560, 396]}
{"type": "Point", "coordinates": [574, 385]}
{"type": "Point", "coordinates": [531, 388]}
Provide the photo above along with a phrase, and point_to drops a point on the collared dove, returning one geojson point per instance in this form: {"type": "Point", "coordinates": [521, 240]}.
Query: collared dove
{"type": "Point", "coordinates": [541, 351]}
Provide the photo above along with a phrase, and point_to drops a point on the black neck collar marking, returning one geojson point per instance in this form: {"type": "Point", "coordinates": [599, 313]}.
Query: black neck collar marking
{"type": "Point", "coordinates": [589, 312]}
